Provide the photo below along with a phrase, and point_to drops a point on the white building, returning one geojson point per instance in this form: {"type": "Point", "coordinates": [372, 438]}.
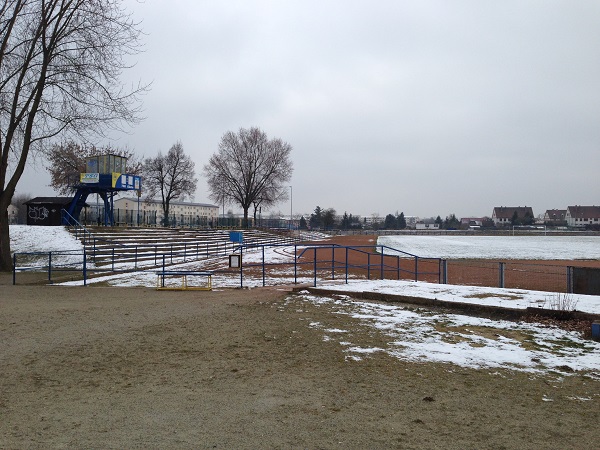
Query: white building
{"type": "Point", "coordinates": [581, 216]}
{"type": "Point", "coordinates": [411, 221]}
{"type": "Point", "coordinates": [185, 213]}
{"type": "Point", "coordinates": [13, 213]}
{"type": "Point", "coordinates": [427, 226]}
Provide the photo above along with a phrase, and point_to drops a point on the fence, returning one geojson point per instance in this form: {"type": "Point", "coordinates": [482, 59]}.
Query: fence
{"type": "Point", "coordinates": [381, 262]}
{"type": "Point", "coordinates": [314, 262]}
{"type": "Point", "coordinates": [48, 264]}
{"type": "Point", "coordinates": [511, 275]}
{"type": "Point", "coordinates": [332, 261]}
{"type": "Point", "coordinates": [134, 218]}
{"type": "Point", "coordinates": [101, 257]}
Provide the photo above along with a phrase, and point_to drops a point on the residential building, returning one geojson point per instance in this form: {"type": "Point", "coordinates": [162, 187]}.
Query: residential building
{"type": "Point", "coordinates": [13, 214]}
{"type": "Point", "coordinates": [555, 217]}
{"type": "Point", "coordinates": [467, 222]}
{"type": "Point", "coordinates": [503, 215]}
{"type": "Point", "coordinates": [427, 226]}
{"type": "Point", "coordinates": [411, 221]}
{"type": "Point", "coordinates": [582, 216]}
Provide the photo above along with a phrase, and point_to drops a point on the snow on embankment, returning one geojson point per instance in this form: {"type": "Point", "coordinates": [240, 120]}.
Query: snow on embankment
{"type": "Point", "coordinates": [26, 238]}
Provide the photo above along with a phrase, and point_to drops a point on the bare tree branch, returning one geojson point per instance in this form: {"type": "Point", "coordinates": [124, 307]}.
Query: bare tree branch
{"type": "Point", "coordinates": [171, 175]}
{"type": "Point", "coordinates": [249, 169]}
{"type": "Point", "coordinates": [60, 67]}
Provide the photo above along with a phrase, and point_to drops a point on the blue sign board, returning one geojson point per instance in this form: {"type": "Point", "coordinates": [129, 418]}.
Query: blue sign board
{"type": "Point", "coordinates": [236, 236]}
{"type": "Point", "coordinates": [129, 182]}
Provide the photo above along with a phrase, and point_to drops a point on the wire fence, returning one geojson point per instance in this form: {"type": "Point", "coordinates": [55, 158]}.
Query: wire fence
{"type": "Point", "coordinates": [512, 275]}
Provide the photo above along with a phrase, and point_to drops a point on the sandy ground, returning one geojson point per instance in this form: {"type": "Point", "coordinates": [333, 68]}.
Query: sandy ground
{"type": "Point", "coordinates": [100, 367]}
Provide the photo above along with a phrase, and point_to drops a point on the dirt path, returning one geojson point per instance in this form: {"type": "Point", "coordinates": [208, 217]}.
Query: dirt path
{"type": "Point", "coordinates": [137, 368]}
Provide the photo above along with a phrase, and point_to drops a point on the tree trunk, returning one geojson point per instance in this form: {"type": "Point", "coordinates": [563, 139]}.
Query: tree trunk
{"type": "Point", "coordinates": [245, 221]}
{"type": "Point", "coordinates": [5, 257]}
{"type": "Point", "coordinates": [166, 220]}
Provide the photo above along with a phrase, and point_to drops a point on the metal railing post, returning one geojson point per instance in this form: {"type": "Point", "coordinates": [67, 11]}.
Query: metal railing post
{"type": "Point", "coordinates": [84, 267]}
{"type": "Point", "coordinates": [382, 271]}
{"type": "Point", "coordinates": [501, 275]}
{"type": "Point", "coordinates": [315, 267]}
{"type": "Point", "coordinates": [332, 262]}
{"type": "Point", "coordinates": [570, 279]}
{"type": "Point", "coordinates": [263, 265]}
{"type": "Point", "coordinates": [346, 265]}
{"type": "Point", "coordinates": [444, 271]}
{"type": "Point", "coordinates": [14, 269]}
{"type": "Point", "coordinates": [416, 268]}
{"type": "Point", "coordinates": [49, 267]}
{"type": "Point", "coordinates": [241, 265]}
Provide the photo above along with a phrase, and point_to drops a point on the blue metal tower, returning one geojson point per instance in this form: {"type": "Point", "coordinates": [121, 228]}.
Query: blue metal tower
{"type": "Point", "coordinates": [104, 176]}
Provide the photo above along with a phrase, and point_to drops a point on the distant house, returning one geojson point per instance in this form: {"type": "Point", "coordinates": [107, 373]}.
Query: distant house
{"type": "Point", "coordinates": [582, 216]}
{"type": "Point", "coordinates": [503, 215]}
{"type": "Point", "coordinates": [427, 224]}
{"type": "Point", "coordinates": [46, 210]}
{"type": "Point", "coordinates": [555, 217]}
{"type": "Point", "coordinates": [411, 221]}
{"type": "Point", "coordinates": [467, 222]}
{"type": "Point", "coordinates": [13, 213]}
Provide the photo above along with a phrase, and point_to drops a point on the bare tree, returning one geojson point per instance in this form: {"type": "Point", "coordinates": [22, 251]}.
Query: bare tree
{"type": "Point", "coordinates": [67, 160]}
{"type": "Point", "coordinates": [60, 68]}
{"type": "Point", "coordinates": [171, 175]}
{"type": "Point", "coordinates": [249, 169]}
{"type": "Point", "coordinates": [271, 196]}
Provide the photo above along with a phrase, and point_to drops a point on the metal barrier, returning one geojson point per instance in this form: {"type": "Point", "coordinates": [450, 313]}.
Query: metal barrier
{"type": "Point", "coordinates": [325, 261]}
{"type": "Point", "coordinates": [109, 257]}
{"type": "Point", "coordinates": [316, 262]}
{"type": "Point", "coordinates": [73, 261]}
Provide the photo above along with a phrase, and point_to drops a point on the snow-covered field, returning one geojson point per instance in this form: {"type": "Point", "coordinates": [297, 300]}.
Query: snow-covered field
{"type": "Point", "coordinates": [415, 334]}
{"type": "Point", "coordinates": [495, 247]}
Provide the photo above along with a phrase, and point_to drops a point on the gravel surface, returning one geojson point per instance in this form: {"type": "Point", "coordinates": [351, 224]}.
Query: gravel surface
{"type": "Point", "coordinates": [101, 367]}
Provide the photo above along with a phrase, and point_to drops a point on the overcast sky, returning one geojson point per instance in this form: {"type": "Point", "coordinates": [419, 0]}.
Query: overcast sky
{"type": "Point", "coordinates": [422, 107]}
